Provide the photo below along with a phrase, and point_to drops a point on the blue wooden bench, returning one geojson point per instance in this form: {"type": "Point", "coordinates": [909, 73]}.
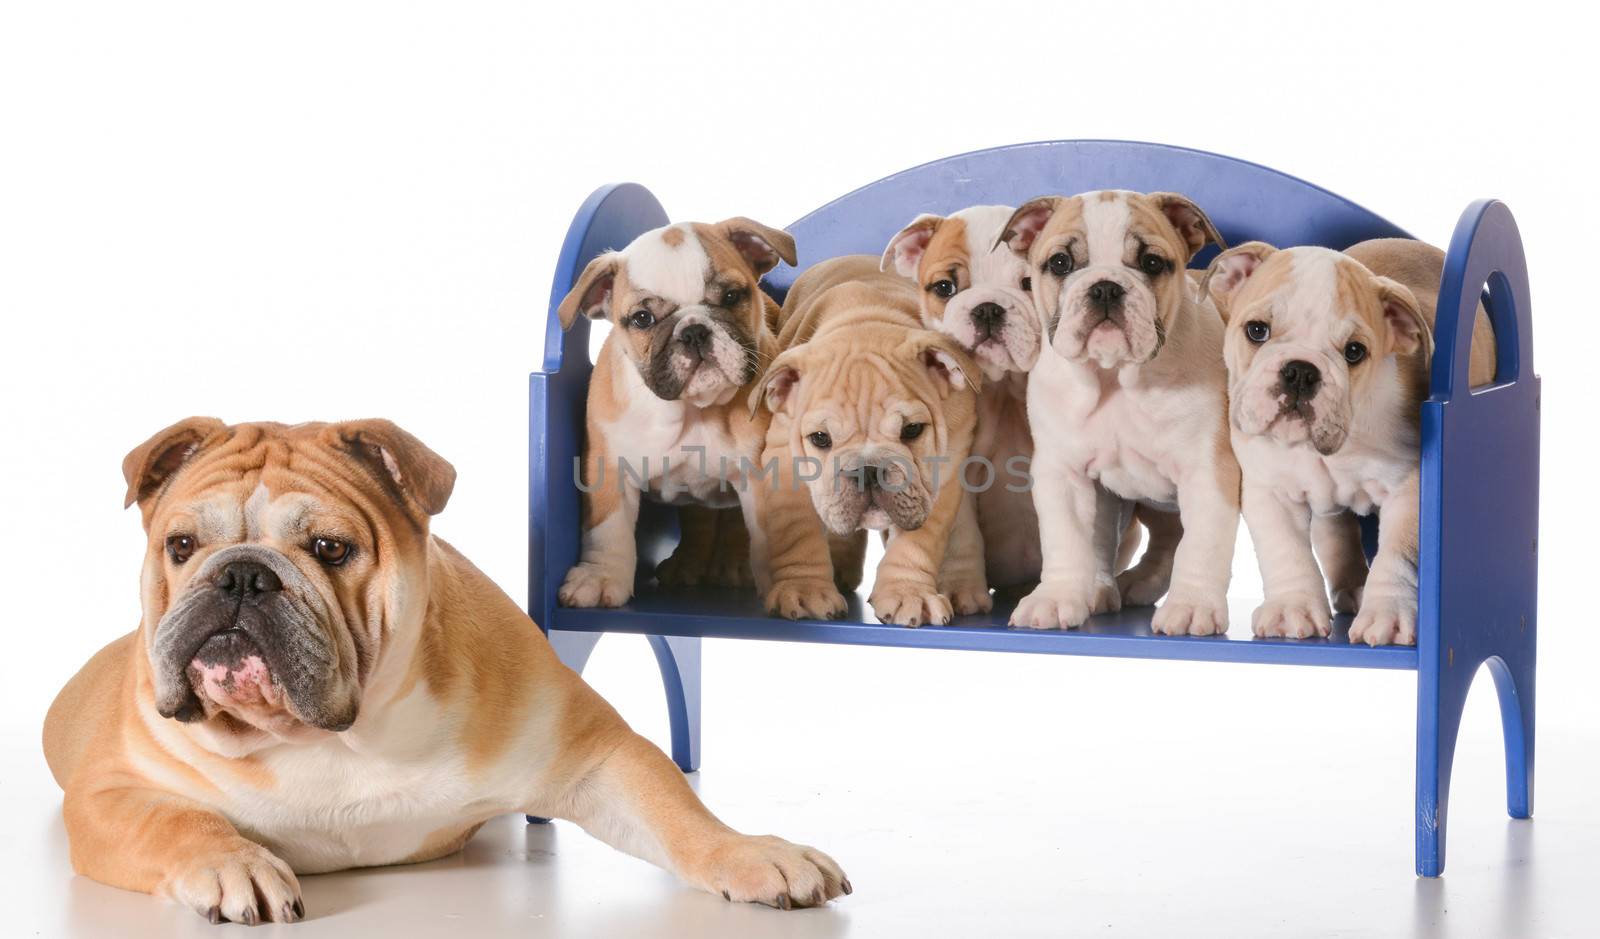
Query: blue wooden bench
{"type": "Point", "coordinates": [1480, 456]}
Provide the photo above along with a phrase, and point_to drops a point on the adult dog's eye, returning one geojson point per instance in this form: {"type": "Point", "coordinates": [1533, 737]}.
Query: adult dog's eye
{"type": "Point", "coordinates": [1257, 331]}
{"type": "Point", "coordinates": [642, 319]}
{"type": "Point", "coordinates": [912, 431]}
{"type": "Point", "coordinates": [180, 548]}
{"type": "Point", "coordinates": [1152, 264]}
{"type": "Point", "coordinates": [1354, 352]}
{"type": "Point", "coordinates": [331, 551]}
{"type": "Point", "coordinates": [1060, 264]}
{"type": "Point", "coordinates": [943, 289]}
{"type": "Point", "coordinates": [820, 440]}
{"type": "Point", "coordinates": [732, 297]}
{"type": "Point", "coordinates": [1027, 284]}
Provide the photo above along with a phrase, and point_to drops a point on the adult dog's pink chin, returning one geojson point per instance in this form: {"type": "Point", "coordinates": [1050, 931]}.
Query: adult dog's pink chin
{"type": "Point", "coordinates": [229, 671]}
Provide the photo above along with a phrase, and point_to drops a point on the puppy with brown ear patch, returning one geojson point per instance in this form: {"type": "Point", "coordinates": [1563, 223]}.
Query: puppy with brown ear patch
{"type": "Point", "coordinates": [874, 415]}
{"type": "Point", "coordinates": [1327, 356]}
{"type": "Point", "coordinates": [667, 414]}
{"type": "Point", "coordinates": [978, 292]}
{"type": "Point", "coordinates": [1128, 404]}
{"type": "Point", "coordinates": [318, 683]}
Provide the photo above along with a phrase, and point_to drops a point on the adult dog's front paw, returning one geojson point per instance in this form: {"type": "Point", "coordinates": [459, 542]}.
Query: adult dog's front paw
{"type": "Point", "coordinates": [594, 585]}
{"type": "Point", "coordinates": [805, 598]}
{"type": "Point", "coordinates": [1054, 605]}
{"type": "Point", "coordinates": [910, 603]}
{"type": "Point", "coordinates": [1187, 615]}
{"type": "Point", "coordinates": [244, 883]}
{"type": "Point", "coordinates": [1386, 620]}
{"type": "Point", "coordinates": [767, 869]}
{"type": "Point", "coordinates": [1292, 617]}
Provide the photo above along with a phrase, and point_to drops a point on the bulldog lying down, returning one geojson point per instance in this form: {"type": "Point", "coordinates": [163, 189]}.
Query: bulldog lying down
{"type": "Point", "coordinates": [318, 683]}
{"type": "Point", "coordinates": [1327, 357]}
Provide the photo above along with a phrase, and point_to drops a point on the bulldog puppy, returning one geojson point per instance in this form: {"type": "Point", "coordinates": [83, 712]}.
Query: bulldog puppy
{"type": "Point", "coordinates": [978, 292]}
{"type": "Point", "coordinates": [1328, 357]}
{"type": "Point", "coordinates": [318, 683]}
{"type": "Point", "coordinates": [874, 416]}
{"type": "Point", "coordinates": [667, 415]}
{"type": "Point", "coordinates": [1128, 405]}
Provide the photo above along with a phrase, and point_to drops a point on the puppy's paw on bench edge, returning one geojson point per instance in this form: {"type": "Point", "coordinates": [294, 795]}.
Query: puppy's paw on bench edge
{"type": "Point", "coordinates": [592, 585]}
{"type": "Point", "coordinates": [805, 599]}
{"type": "Point", "coordinates": [908, 603]}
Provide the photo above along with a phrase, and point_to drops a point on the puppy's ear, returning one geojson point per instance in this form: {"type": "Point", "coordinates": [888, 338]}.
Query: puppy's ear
{"type": "Point", "coordinates": [1408, 330]}
{"type": "Point", "coordinates": [776, 387]}
{"type": "Point", "coordinates": [153, 462]}
{"type": "Point", "coordinates": [947, 363]}
{"type": "Point", "coordinates": [1230, 269]}
{"type": "Point", "coordinates": [591, 294]}
{"type": "Point", "coordinates": [1027, 222]}
{"type": "Point", "coordinates": [761, 247]}
{"type": "Point", "coordinates": [1192, 224]}
{"type": "Point", "coordinates": [413, 474]}
{"type": "Point", "coordinates": [906, 248]}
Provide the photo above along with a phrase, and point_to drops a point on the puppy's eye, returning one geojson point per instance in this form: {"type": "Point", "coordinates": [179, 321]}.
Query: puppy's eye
{"type": "Point", "coordinates": [943, 289]}
{"type": "Point", "coordinates": [732, 297]}
{"type": "Point", "coordinates": [912, 431]}
{"type": "Point", "coordinates": [330, 551]}
{"type": "Point", "coordinates": [820, 440]}
{"type": "Point", "coordinates": [1060, 264]}
{"type": "Point", "coordinates": [1027, 284]}
{"type": "Point", "coordinates": [1152, 264]}
{"type": "Point", "coordinates": [642, 319]}
{"type": "Point", "coordinates": [1354, 352]}
{"type": "Point", "coordinates": [1257, 331]}
{"type": "Point", "coordinates": [180, 548]}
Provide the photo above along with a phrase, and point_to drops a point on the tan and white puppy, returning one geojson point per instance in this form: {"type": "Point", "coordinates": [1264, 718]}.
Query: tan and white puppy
{"type": "Point", "coordinates": [318, 683]}
{"type": "Point", "coordinates": [1327, 356]}
{"type": "Point", "coordinates": [1128, 404]}
{"type": "Point", "coordinates": [979, 292]}
{"type": "Point", "coordinates": [872, 416]}
{"type": "Point", "coordinates": [667, 416]}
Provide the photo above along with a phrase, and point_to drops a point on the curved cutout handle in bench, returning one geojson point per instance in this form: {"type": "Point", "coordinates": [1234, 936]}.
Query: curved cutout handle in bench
{"type": "Point", "coordinates": [1479, 527]}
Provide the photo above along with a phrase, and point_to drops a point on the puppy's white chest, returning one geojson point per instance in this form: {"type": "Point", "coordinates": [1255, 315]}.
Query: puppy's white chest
{"type": "Point", "coordinates": [1122, 438]}
{"type": "Point", "coordinates": [678, 455]}
{"type": "Point", "coordinates": [1355, 478]}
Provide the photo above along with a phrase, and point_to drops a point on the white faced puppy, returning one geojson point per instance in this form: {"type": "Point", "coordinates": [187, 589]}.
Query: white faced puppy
{"type": "Point", "coordinates": [667, 414]}
{"type": "Point", "coordinates": [1127, 404]}
{"type": "Point", "coordinates": [1327, 356]}
{"type": "Point", "coordinates": [978, 292]}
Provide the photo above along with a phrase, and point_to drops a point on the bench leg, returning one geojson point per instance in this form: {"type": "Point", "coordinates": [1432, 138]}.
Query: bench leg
{"type": "Point", "coordinates": [1438, 724]}
{"type": "Point", "coordinates": [1514, 682]}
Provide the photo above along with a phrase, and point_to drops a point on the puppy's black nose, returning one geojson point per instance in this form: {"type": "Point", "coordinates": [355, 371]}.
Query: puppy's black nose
{"type": "Point", "coordinates": [1106, 294]}
{"type": "Point", "coordinates": [988, 317]}
{"type": "Point", "coordinates": [1300, 379]}
{"type": "Point", "coordinates": [697, 337]}
{"type": "Point", "coordinates": [869, 476]}
{"type": "Point", "coordinates": [247, 580]}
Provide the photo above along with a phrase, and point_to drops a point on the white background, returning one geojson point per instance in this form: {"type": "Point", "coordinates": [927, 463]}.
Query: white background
{"type": "Point", "coordinates": [318, 211]}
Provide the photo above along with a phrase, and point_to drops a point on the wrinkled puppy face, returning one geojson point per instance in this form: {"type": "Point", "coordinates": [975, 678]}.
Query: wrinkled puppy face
{"type": "Point", "coordinates": [868, 429]}
{"type": "Point", "coordinates": [282, 563]}
{"type": "Point", "coordinates": [686, 304]}
{"type": "Point", "coordinates": [1108, 269]}
{"type": "Point", "coordinates": [1312, 336]}
{"type": "Point", "coordinates": [974, 289]}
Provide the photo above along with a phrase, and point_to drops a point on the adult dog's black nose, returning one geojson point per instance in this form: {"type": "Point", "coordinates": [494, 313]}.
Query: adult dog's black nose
{"type": "Point", "coordinates": [696, 337]}
{"type": "Point", "coordinates": [247, 580]}
{"type": "Point", "coordinates": [988, 317]}
{"type": "Point", "coordinates": [1106, 294]}
{"type": "Point", "coordinates": [1300, 379]}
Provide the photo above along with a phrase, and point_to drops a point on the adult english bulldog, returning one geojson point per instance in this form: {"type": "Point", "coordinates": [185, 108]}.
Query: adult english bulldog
{"type": "Point", "coordinates": [1328, 356]}
{"type": "Point", "coordinates": [871, 419]}
{"type": "Point", "coordinates": [667, 416]}
{"type": "Point", "coordinates": [318, 683]}
{"type": "Point", "coordinates": [1129, 403]}
{"type": "Point", "coordinates": [978, 292]}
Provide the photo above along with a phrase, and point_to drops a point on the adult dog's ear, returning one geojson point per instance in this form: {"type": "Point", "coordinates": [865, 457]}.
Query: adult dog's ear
{"type": "Point", "coordinates": [591, 294]}
{"type": "Point", "coordinates": [1229, 270]}
{"type": "Point", "coordinates": [1027, 222]}
{"type": "Point", "coordinates": [909, 244]}
{"type": "Point", "coordinates": [1192, 224]}
{"type": "Point", "coordinates": [760, 245]}
{"type": "Point", "coordinates": [149, 465]}
{"type": "Point", "coordinates": [414, 475]}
